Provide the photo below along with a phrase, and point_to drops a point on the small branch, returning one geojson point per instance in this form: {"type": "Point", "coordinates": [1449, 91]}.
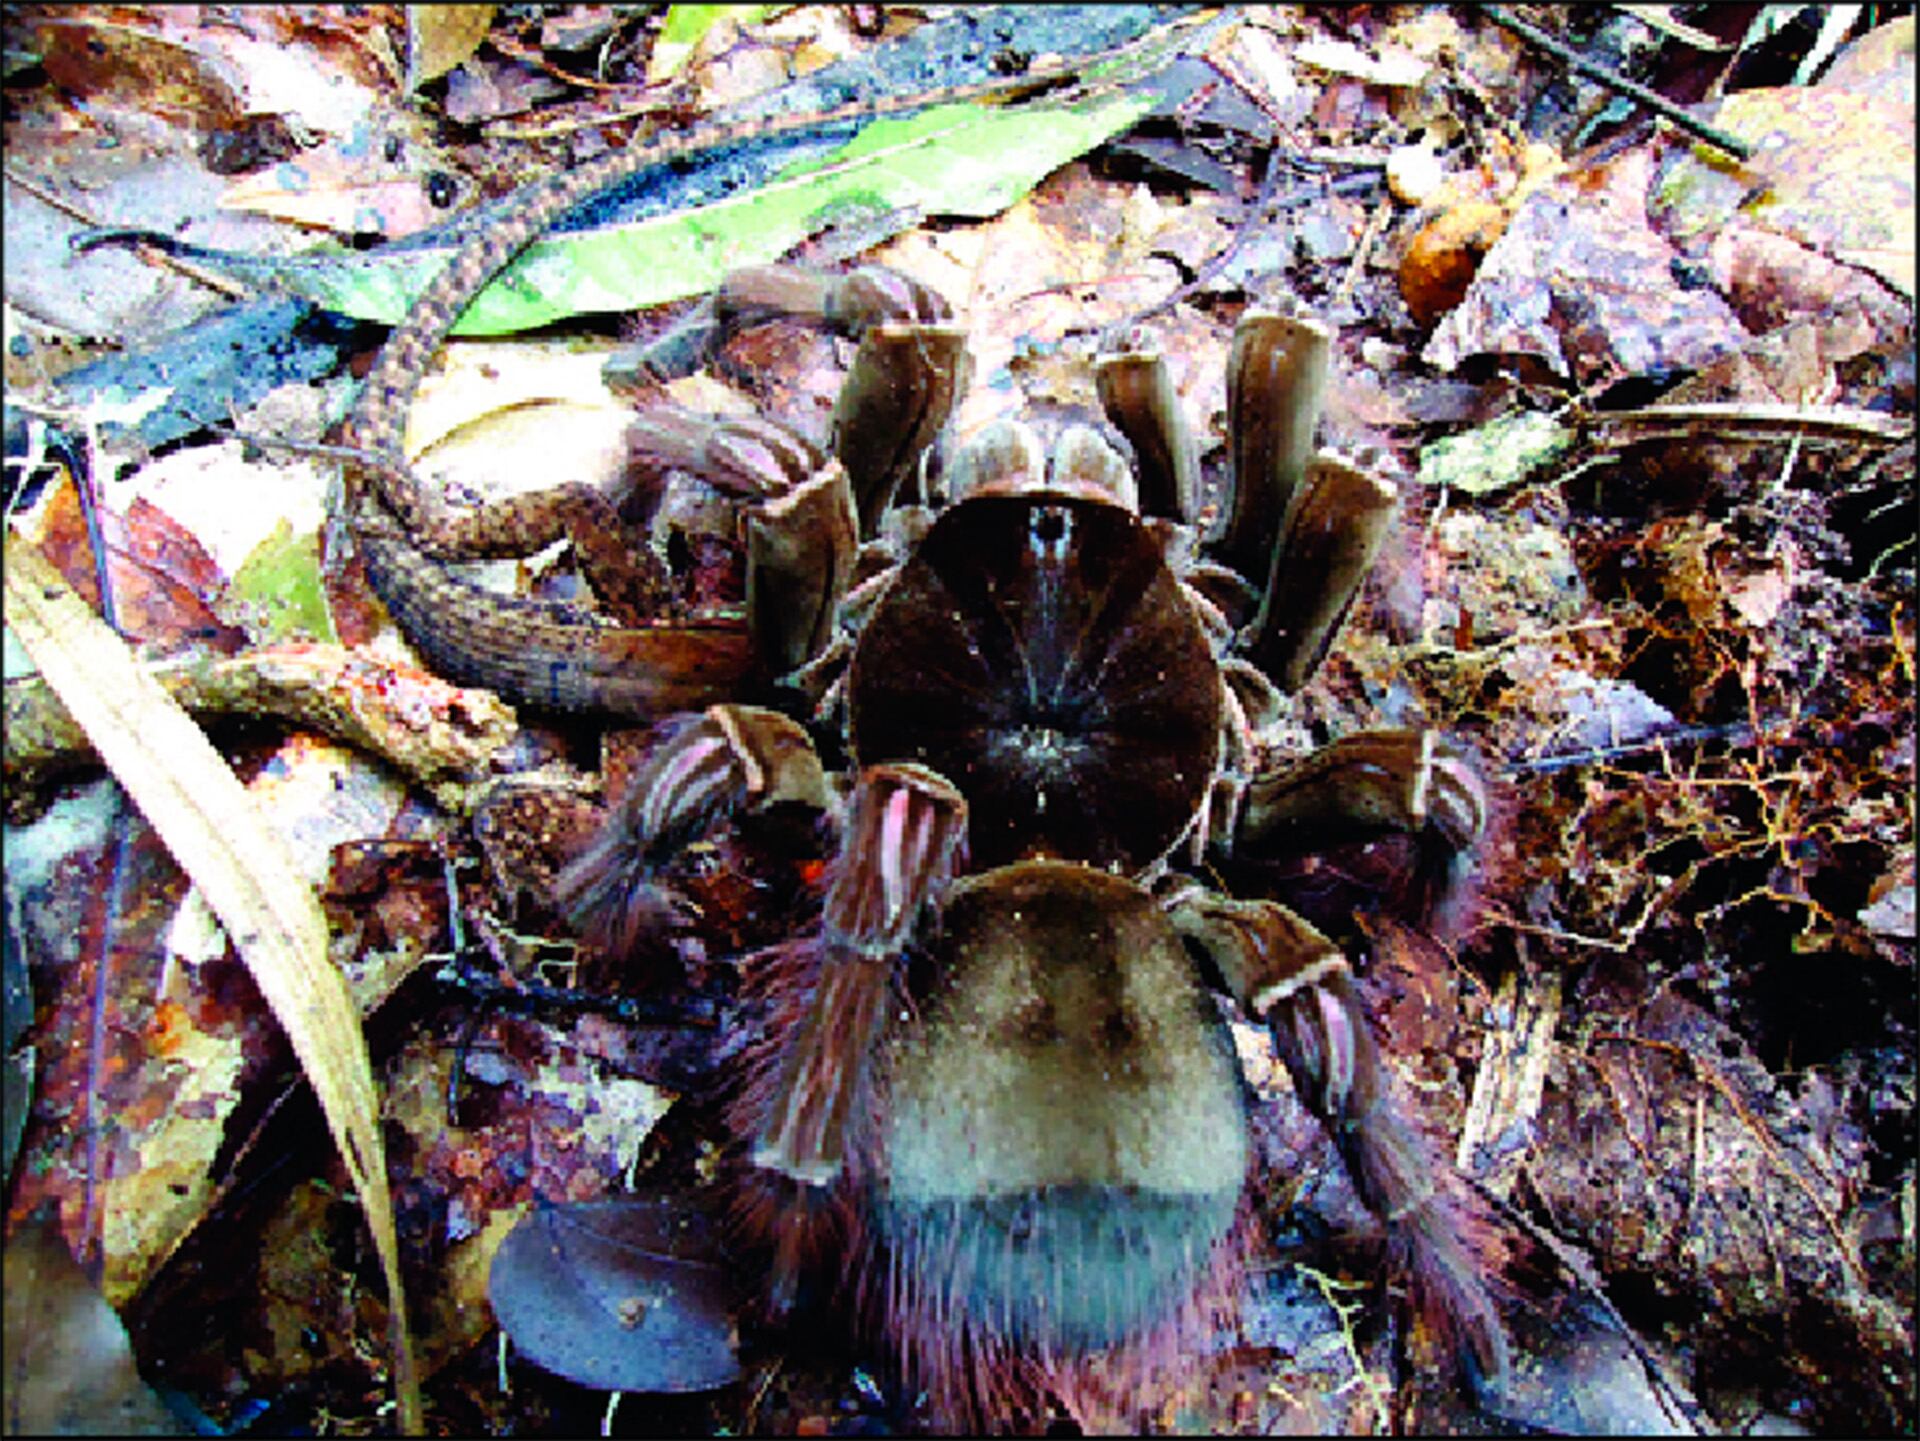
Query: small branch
{"type": "Point", "coordinates": [1658, 104]}
{"type": "Point", "coordinates": [1749, 420]}
{"type": "Point", "coordinates": [437, 734]}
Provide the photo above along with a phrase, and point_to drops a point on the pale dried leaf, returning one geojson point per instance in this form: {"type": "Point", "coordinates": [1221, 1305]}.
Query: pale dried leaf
{"type": "Point", "coordinates": [69, 1368]}
{"type": "Point", "coordinates": [439, 37]}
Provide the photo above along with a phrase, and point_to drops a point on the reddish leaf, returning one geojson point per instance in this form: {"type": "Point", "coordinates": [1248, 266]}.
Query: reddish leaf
{"type": "Point", "coordinates": [165, 584]}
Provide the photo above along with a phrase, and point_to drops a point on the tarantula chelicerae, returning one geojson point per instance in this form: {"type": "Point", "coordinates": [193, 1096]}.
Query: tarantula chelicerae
{"type": "Point", "coordinates": [998, 1048]}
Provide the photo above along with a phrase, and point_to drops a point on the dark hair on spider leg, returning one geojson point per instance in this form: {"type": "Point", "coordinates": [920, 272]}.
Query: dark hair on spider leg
{"type": "Point", "coordinates": [1441, 1236]}
{"type": "Point", "coordinates": [1452, 882]}
{"type": "Point", "coordinates": [1453, 1256]}
{"type": "Point", "coordinates": [609, 889]}
{"type": "Point", "coordinates": [608, 894]}
{"type": "Point", "coordinates": [807, 1228]}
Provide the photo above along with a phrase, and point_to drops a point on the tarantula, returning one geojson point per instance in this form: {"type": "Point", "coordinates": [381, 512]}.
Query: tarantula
{"type": "Point", "coordinates": [998, 1051]}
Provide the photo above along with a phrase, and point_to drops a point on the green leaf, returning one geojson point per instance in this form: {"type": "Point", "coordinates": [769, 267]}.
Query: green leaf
{"type": "Point", "coordinates": [685, 24]}
{"type": "Point", "coordinates": [960, 160]}
{"type": "Point", "coordinates": [281, 577]}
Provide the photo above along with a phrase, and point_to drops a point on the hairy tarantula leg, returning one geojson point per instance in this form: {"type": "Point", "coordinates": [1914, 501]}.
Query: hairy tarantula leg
{"type": "Point", "coordinates": [802, 536]}
{"type": "Point", "coordinates": [893, 406]}
{"type": "Point", "coordinates": [1136, 391]}
{"type": "Point", "coordinates": [1263, 951]}
{"type": "Point", "coordinates": [902, 845]}
{"type": "Point", "coordinates": [849, 303]}
{"type": "Point", "coordinates": [1276, 380]}
{"type": "Point", "coordinates": [740, 456]}
{"type": "Point", "coordinates": [728, 757]}
{"type": "Point", "coordinates": [1003, 455]}
{"type": "Point", "coordinates": [1284, 972]}
{"type": "Point", "coordinates": [1084, 462]}
{"type": "Point", "coordinates": [801, 549]}
{"type": "Point", "coordinates": [1367, 785]}
{"type": "Point", "coordinates": [1333, 530]}
{"type": "Point", "coordinates": [1221, 807]}
{"type": "Point", "coordinates": [911, 366]}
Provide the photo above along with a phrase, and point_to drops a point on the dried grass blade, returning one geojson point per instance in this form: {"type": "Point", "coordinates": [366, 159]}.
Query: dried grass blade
{"type": "Point", "coordinates": [205, 818]}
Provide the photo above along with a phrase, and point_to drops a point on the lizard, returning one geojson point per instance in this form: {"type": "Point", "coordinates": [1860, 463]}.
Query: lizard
{"type": "Point", "coordinates": [550, 654]}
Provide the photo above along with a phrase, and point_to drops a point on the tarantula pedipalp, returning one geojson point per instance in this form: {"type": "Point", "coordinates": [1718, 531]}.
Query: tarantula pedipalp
{"type": "Point", "coordinates": [1002, 1052]}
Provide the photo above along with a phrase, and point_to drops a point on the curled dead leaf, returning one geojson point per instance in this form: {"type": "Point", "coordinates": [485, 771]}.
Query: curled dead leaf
{"type": "Point", "coordinates": [623, 1295]}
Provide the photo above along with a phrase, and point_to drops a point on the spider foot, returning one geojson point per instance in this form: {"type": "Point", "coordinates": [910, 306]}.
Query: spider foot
{"type": "Point", "coordinates": [1334, 528]}
{"type": "Point", "coordinates": [911, 366]}
{"type": "Point", "coordinates": [742, 457]}
{"type": "Point", "coordinates": [1440, 1234]}
{"type": "Point", "coordinates": [902, 386]}
{"type": "Point", "coordinates": [903, 843]}
{"type": "Point", "coordinates": [1137, 393]}
{"type": "Point", "coordinates": [727, 758]}
{"type": "Point", "coordinates": [1276, 383]}
{"type": "Point", "coordinates": [1286, 973]}
{"type": "Point", "coordinates": [1369, 786]}
{"type": "Point", "coordinates": [1302, 526]}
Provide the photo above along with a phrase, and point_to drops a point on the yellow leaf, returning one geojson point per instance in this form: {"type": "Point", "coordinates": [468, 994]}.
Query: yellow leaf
{"type": "Point", "coordinates": [439, 37]}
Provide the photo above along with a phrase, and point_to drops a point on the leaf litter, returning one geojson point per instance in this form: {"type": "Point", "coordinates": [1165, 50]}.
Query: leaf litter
{"type": "Point", "coordinates": [1723, 1118]}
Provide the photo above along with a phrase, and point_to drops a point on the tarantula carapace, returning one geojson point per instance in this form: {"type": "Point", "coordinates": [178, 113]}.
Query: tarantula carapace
{"type": "Point", "coordinates": [999, 1049]}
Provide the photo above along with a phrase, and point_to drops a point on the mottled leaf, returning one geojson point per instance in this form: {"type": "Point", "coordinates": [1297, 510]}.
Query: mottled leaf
{"type": "Point", "coordinates": [1499, 454]}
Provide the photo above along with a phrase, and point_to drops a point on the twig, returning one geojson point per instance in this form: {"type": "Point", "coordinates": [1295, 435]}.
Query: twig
{"type": "Point", "coordinates": [434, 732]}
{"type": "Point", "coordinates": [1344, 1310]}
{"type": "Point", "coordinates": [1734, 732]}
{"type": "Point", "coordinates": [1264, 207]}
{"type": "Point", "coordinates": [1655, 17]}
{"type": "Point", "coordinates": [1749, 420]}
{"type": "Point", "coordinates": [1580, 1266]}
{"type": "Point", "coordinates": [1658, 104]}
{"type": "Point", "coordinates": [1376, 222]}
{"type": "Point", "coordinates": [515, 49]}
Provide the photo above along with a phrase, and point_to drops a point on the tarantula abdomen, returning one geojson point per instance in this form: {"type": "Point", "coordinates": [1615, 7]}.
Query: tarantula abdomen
{"type": "Point", "coordinates": [1062, 1141]}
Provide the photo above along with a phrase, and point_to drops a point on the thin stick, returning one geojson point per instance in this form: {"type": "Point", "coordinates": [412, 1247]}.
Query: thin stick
{"type": "Point", "coordinates": [1658, 104]}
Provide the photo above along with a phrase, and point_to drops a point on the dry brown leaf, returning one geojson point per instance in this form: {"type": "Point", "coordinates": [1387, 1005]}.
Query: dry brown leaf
{"type": "Point", "coordinates": [1757, 595]}
{"type": "Point", "coordinates": [1838, 174]}
{"type": "Point", "coordinates": [167, 590]}
{"type": "Point", "coordinates": [439, 37]}
{"type": "Point", "coordinates": [192, 799]}
{"type": "Point", "coordinates": [1582, 281]}
{"type": "Point", "coordinates": [503, 416]}
{"type": "Point", "coordinates": [108, 55]}
{"type": "Point", "coordinates": [1880, 63]}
